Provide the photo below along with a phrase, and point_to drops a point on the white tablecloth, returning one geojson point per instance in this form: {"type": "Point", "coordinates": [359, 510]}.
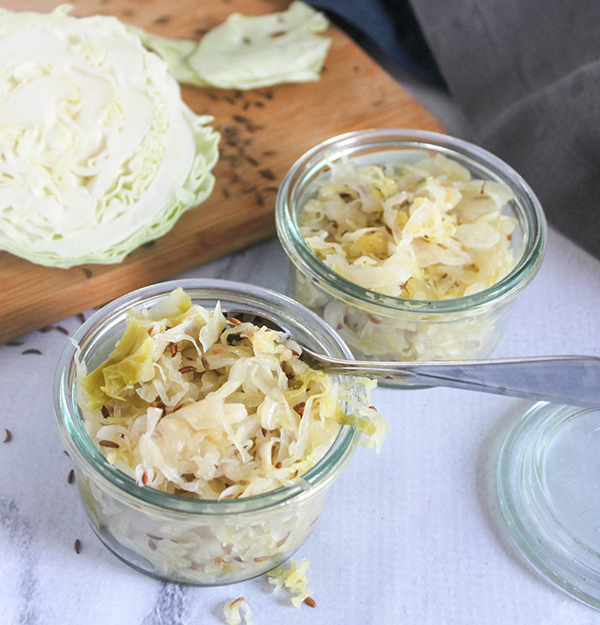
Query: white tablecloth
{"type": "Point", "coordinates": [413, 536]}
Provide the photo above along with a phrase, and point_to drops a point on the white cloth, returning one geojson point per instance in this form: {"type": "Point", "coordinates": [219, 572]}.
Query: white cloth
{"type": "Point", "coordinates": [412, 537]}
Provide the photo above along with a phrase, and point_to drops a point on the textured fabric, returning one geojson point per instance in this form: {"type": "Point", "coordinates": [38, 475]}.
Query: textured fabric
{"type": "Point", "coordinates": [527, 76]}
{"type": "Point", "coordinates": [526, 73]}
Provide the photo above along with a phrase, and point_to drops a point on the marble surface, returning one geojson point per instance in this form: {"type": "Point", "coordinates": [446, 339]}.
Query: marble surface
{"type": "Point", "coordinates": [412, 536]}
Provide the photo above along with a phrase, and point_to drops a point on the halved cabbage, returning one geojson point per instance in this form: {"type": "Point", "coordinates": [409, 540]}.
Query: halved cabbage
{"type": "Point", "coordinates": [98, 153]}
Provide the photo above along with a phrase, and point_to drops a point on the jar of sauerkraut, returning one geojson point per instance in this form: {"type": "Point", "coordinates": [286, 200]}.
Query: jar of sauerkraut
{"type": "Point", "coordinates": [180, 538]}
{"type": "Point", "coordinates": [412, 245]}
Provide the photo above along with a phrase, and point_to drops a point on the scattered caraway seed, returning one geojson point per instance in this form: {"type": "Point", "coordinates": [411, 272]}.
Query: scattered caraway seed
{"type": "Point", "coordinates": [247, 105]}
{"type": "Point", "coordinates": [80, 317]}
{"type": "Point", "coordinates": [66, 453]}
{"type": "Point", "coordinates": [267, 173]}
{"type": "Point", "coordinates": [259, 104]}
{"type": "Point", "coordinates": [269, 152]}
{"type": "Point", "coordinates": [226, 193]}
{"type": "Point", "coordinates": [15, 343]}
{"type": "Point", "coordinates": [88, 272]}
{"type": "Point", "coordinates": [110, 444]}
{"type": "Point", "coordinates": [252, 161]}
{"type": "Point", "coordinates": [71, 477]}
{"type": "Point", "coordinates": [105, 412]}
{"type": "Point", "coordinates": [77, 546]}
{"type": "Point", "coordinates": [7, 437]}
{"type": "Point", "coordinates": [311, 602]}
{"type": "Point", "coordinates": [47, 329]}
{"type": "Point", "coordinates": [32, 351]}
{"type": "Point", "coordinates": [261, 200]}
{"type": "Point", "coordinates": [173, 349]}
{"type": "Point", "coordinates": [272, 189]}
{"type": "Point", "coordinates": [187, 369]}
{"type": "Point", "coordinates": [229, 99]}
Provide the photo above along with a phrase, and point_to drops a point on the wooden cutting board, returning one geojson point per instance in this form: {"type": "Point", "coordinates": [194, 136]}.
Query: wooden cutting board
{"type": "Point", "coordinates": [273, 127]}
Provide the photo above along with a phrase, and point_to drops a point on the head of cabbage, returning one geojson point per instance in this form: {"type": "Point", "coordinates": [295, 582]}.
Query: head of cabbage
{"type": "Point", "coordinates": [98, 152]}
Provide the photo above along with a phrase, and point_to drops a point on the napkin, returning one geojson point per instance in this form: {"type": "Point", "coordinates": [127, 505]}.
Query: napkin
{"type": "Point", "coordinates": [525, 73]}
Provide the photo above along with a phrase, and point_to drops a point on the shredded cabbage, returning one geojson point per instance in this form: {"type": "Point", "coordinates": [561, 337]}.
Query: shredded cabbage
{"type": "Point", "coordinates": [249, 52]}
{"type": "Point", "coordinates": [98, 153]}
{"type": "Point", "coordinates": [232, 612]}
{"type": "Point", "coordinates": [294, 579]}
{"type": "Point", "coordinates": [423, 232]}
{"type": "Point", "coordinates": [196, 404]}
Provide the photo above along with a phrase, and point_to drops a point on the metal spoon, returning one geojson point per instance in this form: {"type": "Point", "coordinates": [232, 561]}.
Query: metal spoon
{"type": "Point", "coordinates": [571, 380]}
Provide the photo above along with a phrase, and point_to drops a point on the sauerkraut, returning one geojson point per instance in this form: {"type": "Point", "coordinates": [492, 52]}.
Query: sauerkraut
{"type": "Point", "coordinates": [196, 404]}
{"type": "Point", "coordinates": [200, 405]}
{"type": "Point", "coordinates": [423, 232]}
{"type": "Point", "coordinates": [232, 612]}
{"type": "Point", "coordinates": [293, 579]}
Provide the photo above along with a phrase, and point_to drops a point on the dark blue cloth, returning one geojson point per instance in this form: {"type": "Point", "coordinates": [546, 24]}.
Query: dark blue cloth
{"type": "Point", "coordinates": [388, 31]}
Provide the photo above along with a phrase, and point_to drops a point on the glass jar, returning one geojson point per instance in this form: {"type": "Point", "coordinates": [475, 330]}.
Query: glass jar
{"type": "Point", "coordinates": [380, 327]}
{"type": "Point", "coordinates": [176, 538]}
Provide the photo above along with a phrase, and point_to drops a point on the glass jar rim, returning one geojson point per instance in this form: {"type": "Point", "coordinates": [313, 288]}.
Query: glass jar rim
{"type": "Point", "coordinates": [81, 448]}
{"type": "Point", "coordinates": [344, 145]}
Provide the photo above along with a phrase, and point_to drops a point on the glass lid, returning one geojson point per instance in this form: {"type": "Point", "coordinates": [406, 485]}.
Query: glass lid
{"type": "Point", "coordinates": [549, 491]}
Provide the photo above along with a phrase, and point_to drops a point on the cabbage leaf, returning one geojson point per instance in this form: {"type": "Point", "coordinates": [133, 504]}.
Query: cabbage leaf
{"type": "Point", "coordinates": [249, 52]}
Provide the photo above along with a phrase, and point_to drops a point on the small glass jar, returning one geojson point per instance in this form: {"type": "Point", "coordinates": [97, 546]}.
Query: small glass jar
{"type": "Point", "coordinates": [181, 539]}
{"type": "Point", "coordinates": [380, 327]}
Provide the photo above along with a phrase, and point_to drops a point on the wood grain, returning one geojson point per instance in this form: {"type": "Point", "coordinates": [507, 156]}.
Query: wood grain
{"type": "Point", "coordinates": [283, 122]}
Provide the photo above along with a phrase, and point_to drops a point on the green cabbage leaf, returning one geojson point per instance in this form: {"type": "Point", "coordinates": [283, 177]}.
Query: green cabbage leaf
{"type": "Point", "coordinates": [249, 52]}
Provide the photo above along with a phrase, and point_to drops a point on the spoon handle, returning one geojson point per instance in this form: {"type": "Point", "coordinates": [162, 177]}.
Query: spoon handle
{"type": "Point", "coordinates": [571, 380]}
